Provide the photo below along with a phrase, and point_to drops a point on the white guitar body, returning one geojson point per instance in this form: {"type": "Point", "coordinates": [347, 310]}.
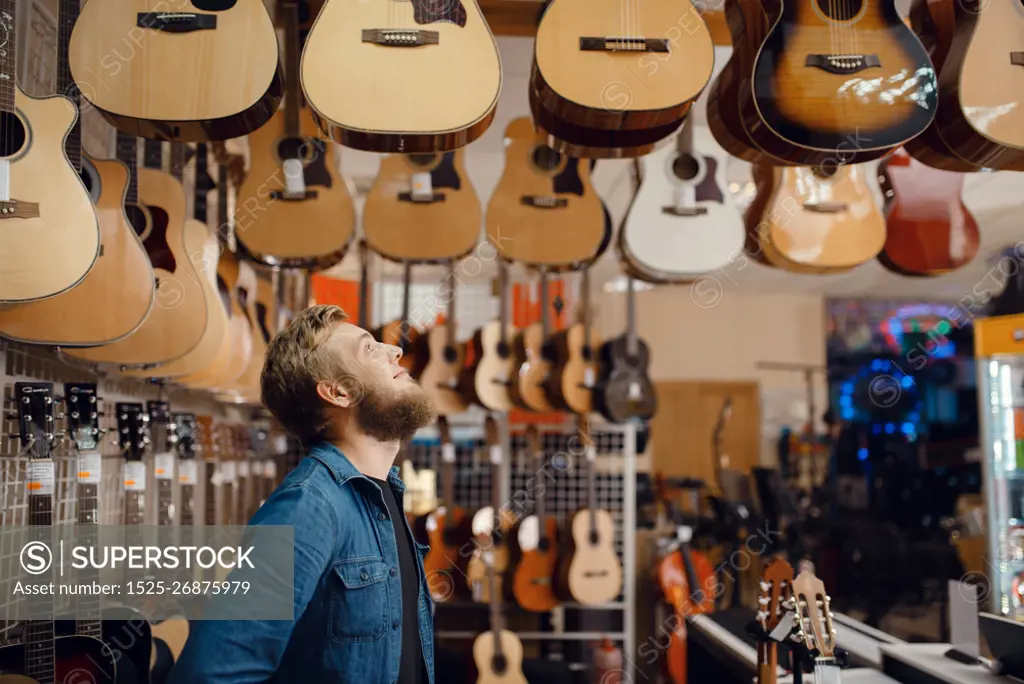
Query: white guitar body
{"type": "Point", "coordinates": [683, 221]}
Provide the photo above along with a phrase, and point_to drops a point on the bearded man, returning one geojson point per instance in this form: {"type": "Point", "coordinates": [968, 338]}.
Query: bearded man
{"type": "Point", "coordinates": [363, 612]}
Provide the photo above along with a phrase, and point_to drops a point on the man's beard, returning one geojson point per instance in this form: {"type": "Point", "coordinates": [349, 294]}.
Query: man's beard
{"type": "Point", "coordinates": [389, 416]}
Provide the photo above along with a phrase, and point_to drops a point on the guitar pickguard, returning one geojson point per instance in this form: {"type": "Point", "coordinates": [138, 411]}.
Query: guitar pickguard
{"type": "Point", "coordinates": [708, 190]}
{"type": "Point", "coordinates": [315, 171]}
{"type": "Point", "coordinates": [444, 174]}
{"type": "Point", "coordinates": [156, 245]}
{"type": "Point", "coordinates": [430, 11]}
{"type": "Point", "coordinates": [569, 181]}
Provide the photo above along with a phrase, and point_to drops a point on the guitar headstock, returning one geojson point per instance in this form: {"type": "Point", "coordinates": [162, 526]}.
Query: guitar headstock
{"type": "Point", "coordinates": [160, 427]}
{"type": "Point", "coordinates": [83, 415]}
{"type": "Point", "coordinates": [36, 418]}
{"type": "Point", "coordinates": [444, 429]}
{"type": "Point", "coordinates": [131, 430]}
{"type": "Point", "coordinates": [185, 429]}
{"type": "Point", "coordinates": [776, 592]}
{"type": "Point", "coordinates": [813, 614]}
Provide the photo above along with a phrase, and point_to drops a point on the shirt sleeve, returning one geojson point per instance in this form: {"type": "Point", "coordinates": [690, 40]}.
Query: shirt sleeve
{"type": "Point", "coordinates": [249, 651]}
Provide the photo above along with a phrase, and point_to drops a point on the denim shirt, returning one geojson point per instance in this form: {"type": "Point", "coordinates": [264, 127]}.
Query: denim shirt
{"type": "Point", "coordinates": [348, 592]}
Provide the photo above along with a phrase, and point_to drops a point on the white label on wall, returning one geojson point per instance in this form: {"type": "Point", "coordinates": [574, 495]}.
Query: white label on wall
{"type": "Point", "coordinates": [257, 468]}
{"type": "Point", "coordinates": [448, 453]}
{"type": "Point", "coordinates": [90, 463]}
{"type": "Point", "coordinates": [227, 472]}
{"type": "Point", "coordinates": [188, 471]}
{"type": "Point", "coordinates": [134, 476]}
{"type": "Point", "coordinates": [164, 465]}
{"type": "Point", "coordinates": [40, 477]}
{"type": "Point", "coordinates": [243, 469]}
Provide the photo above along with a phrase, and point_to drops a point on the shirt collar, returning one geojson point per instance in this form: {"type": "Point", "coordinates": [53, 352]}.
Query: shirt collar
{"type": "Point", "coordinates": [343, 470]}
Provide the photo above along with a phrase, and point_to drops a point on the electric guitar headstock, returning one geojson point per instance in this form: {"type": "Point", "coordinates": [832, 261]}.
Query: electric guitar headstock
{"type": "Point", "coordinates": [83, 417]}
{"type": "Point", "coordinates": [814, 616]}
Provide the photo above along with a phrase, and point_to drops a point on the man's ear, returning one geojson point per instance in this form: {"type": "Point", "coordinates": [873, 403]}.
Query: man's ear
{"type": "Point", "coordinates": [336, 393]}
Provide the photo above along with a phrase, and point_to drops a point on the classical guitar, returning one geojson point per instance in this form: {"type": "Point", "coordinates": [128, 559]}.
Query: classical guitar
{"type": "Point", "coordinates": [544, 211]}
{"type": "Point", "coordinates": [817, 220]}
{"type": "Point", "coordinates": [51, 237]}
{"type": "Point", "coordinates": [591, 572]}
{"type": "Point", "coordinates": [498, 652]}
{"type": "Point", "coordinates": [682, 221]}
{"type": "Point", "coordinates": [613, 66]}
{"type": "Point", "coordinates": [812, 100]}
{"type": "Point", "coordinates": [813, 618]}
{"type": "Point", "coordinates": [775, 595]}
{"type": "Point", "coordinates": [447, 529]}
{"type": "Point", "coordinates": [624, 390]}
{"type": "Point", "coordinates": [532, 358]}
{"type": "Point", "coordinates": [403, 334]}
{"type": "Point", "coordinates": [216, 66]}
{"type": "Point", "coordinates": [490, 527]}
{"type": "Point", "coordinates": [416, 49]}
{"type": "Point", "coordinates": [536, 538]}
{"type": "Point", "coordinates": [298, 212]}
{"type": "Point", "coordinates": [488, 372]}
{"type": "Point", "coordinates": [42, 657]}
{"type": "Point", "coordinates": [685, 578]}
{"type": "Point", "coordinates": [570, 384]}
{"type": "Point", "coordinates": [121, 277]}
{"type": "Point", "coordinates": [928, 229]}
{"type": "Point", "coordinates": [156, 209]}
{"type": "Point", "coordinates": [422, 207]}
{"type": "Point", "coordinates": [445, 359]}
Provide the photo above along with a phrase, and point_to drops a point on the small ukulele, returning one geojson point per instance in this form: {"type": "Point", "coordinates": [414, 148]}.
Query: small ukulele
{"type": "Point", "coordinates": [536, 539]}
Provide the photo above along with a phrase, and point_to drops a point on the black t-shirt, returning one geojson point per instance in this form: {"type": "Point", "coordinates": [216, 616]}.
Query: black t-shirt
{"type": "Point", "coordinates": [412, 670]}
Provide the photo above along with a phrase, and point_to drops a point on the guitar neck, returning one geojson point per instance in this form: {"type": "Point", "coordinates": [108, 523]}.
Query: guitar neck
{"type": "Point", "coordinates": [503, 299]}
{"type": "Point", "coordinates": [67, 15]}
{"type": "Point", "coordinates": [404, 328]}
{"type": "Point", "coordinates": [545, 308]}
{"type": "Point", "coordinates": [364, 285]}
{"type": "Point", "coordinates": [199, 207]}
{"type": "Point", "coordinates": [177, 166]}
{"type": "Point", "coordinates": [684, 141]}
{"type": "Point", "coordinates": [224, 225]}
{"type": "Point", "coordinates": [127, 154]}
{"type": "Point", "coordinates": [292, 93]}
{"type": "Point", "coordinates": [8, 62]}
{"type": "Point", "coordinates": [450, 313]}
{"type": "Point", "coordinates": [39, 633]}
{"type": "Point", "coordinates": [88, 605]}
{"type": "Point", "coordinates": [153, 154]}
{"type": "Point", "coordinates": [585, 312]}
{"type": "Point", "coordinates": [767, 662]}
{"type": "Point", "coordinates": [632, 345]}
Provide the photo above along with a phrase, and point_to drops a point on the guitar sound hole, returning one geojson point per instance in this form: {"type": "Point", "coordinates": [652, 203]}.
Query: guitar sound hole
{"type": "Point", "coordinates": [503, 350]}
{"type": "Point", "coordinates": [840, 11]}
{"type": "Point", "coordinates": [586, 353]}
{"type": "Point", "coordinates": [294, 148]}
{"type": "Point", "coordinates": [14, 134]}
{"type": "Point", "coordinates": [546, 158]}
{"type": "Point", "coordinates": [450, 354]}
{"type": "Point", "coordinates": [423, 161]}
{"type": "Point", "coordinates": [543, 545]}
{"type": "Point", "coordinates": [826, 170]}
{"type": "Point", "coordinates": [499, 664]}
{"type": "Point", "coordinates": [549, 353]}
{"type": "Point", "coordinates": [595, 538]}
{"type": "Point", "coordinates": [685, 167]}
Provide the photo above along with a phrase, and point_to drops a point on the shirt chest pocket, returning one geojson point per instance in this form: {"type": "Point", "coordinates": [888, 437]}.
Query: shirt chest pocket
{"type": "Point", "coordinates": [359, 600]}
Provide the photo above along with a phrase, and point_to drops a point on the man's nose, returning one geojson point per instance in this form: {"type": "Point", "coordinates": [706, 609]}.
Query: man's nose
{"type": "Point", "coordinates": [394, 352]}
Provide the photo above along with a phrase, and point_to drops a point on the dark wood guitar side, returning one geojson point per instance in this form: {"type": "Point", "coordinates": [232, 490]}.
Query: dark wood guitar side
{"type": "Point", "coordinates": [535, 545]}
{"type": "Point", "coordinates": [624, 390]}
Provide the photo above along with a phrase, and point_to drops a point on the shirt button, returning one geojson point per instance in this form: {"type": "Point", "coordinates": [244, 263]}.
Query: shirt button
{"type": "Point", "coordinates": [394, 625]}
{"type": "Point", "coordinates": [393, 572]}
{"type": "Point", "coordinates": [381, 516]}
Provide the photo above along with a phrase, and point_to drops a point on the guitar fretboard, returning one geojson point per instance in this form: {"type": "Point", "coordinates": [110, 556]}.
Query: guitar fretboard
{"type": "Point", "coordinates": [127, 154]}
{"type": "Point", "coordinates": [8, 63]}
{"type": "Point", "coordinates": [39, 634]}
{"type": "Point", "coordinates": [67, 15]}
{"type": "Point", "coordinates": [88, 605]}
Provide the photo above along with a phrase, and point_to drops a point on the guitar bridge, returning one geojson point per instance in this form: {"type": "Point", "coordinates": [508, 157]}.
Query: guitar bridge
{"type": "Point", "coordinates": [824, 207]}
{"type": "Point", "coordinates": [400, 37]}
{"type": "Point", "coordinates": [286, 196]}
{"type": "Point", "coordinates": [843, 64]}
{"type": "Point", "coordinates": [541, 202]}
{"type": "Point", "coordinates": [684, 211]}
{"type": "Point", "coordinates": [619, 44]}
{"type": "Point", "coordinates": [176, 22]}
{"type": "Point", "coordinates": [421, 198]}
{"type": "Point", "coordinates": [16, 209]}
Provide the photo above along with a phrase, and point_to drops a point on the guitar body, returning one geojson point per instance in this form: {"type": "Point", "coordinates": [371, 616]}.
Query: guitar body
{"type": "Point", "coordinates": [532, 369]}
{"type": "Point", "coordinates": [822, 223]}
{"type": "Point", "coordinates": [508, 669]}
{"type": "Point", "coordinates": [129, 642]}
{"type": "Point", "coordinates": [542, 192]}
{"type": "Point", "coordinates": [276, 230]}
{"type": "Point", "coordinates": [122, 278]}
{"type": "Point", "coordinates": [682, 221]}
{"type": "Point", "coordinates": [399, 227]}
{"type": "Point", "coordinates": [177, 321]}
{"type": "Point", "coordinates": [593, 573]}
{"type": "Point", "coordinates": [171, 635]}
{"type": "Point", "coordinates": [476, 571]}
{"type": "Point", "coordinates": [574, 372]}
{"type": "Point", "coordinates": [534, 576]}
{"type": "Point", "coordinates": [413, 354]}
{"type": "Point", "coordinates": [929, 231]}
{"type": "Point", "coordinates": [811, 113]}
{"type": "Point", "coordinates": [247, 385]}
{"type": "Point", "coordinates": [446, 556]}
{"type": "Point", "coordinates": [428, 98]}
{"type": "Point", "coordinates": [241, 82]}
{"type": "Point", "coordinates": [625, 390]}
{"type": "Point", "coordinates": [76, 659]}
{"type": "Point", "coordinates": [52, 240]}
{"type": "Point", "coordinates": [598, 88]}
{"type": "Point", "coordinates": [440, 377]}
{"type": "Point", "coordinates": [489, 377]}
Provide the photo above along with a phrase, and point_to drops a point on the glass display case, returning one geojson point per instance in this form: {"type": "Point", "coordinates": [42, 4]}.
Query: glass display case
{"type": "Point", "coordinates": [999, 348]}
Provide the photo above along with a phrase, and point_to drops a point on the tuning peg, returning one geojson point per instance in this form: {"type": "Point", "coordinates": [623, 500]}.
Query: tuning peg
{"type": "Point", "coordinates": [763, 600]}
{"type": "Point", "coordinates": [765, 586]}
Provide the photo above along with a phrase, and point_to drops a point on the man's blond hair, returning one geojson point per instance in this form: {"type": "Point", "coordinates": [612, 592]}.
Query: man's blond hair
{"type": "Point", "coordinates": [296, 361]}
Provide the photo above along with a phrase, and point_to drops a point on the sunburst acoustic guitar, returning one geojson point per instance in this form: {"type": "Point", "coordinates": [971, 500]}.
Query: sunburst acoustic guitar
{"type": "Point", "coordinates": [428, 78]}
{"type": "Point", "coordinates": [51, 237]}
{"type": "Point", "coordinates": [216, 66]}
{"type": "Point", "coordinates": [297, 209]}
{"type": "Point", "coordinates": [536, 541]}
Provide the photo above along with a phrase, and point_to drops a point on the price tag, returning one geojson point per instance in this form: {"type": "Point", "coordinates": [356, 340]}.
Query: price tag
{"type": "Point", "coordinates": [448, 453]}
{"type": "Point", "coordinates": [40, 477]}
{"type": "Point", "coordinates": [422, 184]}
{"type": "Point", "coordinates": [588, 377]}
{"type": "Point", "coordinates": [164, 465]}
{"type": "Point", "coordinates": [257, 468]}
{"type": "Point", "coordinates": [89, 466]}
{"type": "Point", "coordinates": [243, 469]}
{"type": "Point", "coordinates": [187, 472]}
{"type": "Point", "coordinates": [591, 453]}
{"type": "Point", "coordinates": [634, 391]}
{"type": "Point", "coordinates": [496, 454]}
{"type": "Point", "coordinates": [227, 472]}
{"type": "Point", "coordinates": [270, 469]}
{"type": "Point", "coordinates": [134, 476]}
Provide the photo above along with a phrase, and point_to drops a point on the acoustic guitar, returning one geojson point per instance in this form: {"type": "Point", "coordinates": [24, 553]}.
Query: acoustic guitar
{"type": "Point", "coordinates": [775, 595]}
{"type": "Point", "coordinates": [447, 529]}
{"type": "Point", "coordinates": [536, 538]}
{"type": "Point", "coordinates": [247, 385]}
{"type": "Point", "coordinates": [490, 526]}
{"type": "Point", "coordinates": [498, 652]}
{"type": "Point", "coordinates": [541, 194]}
{"type": "Point", "coordinates": [489, 365]}
{"type": "Point", "coordinates": [533, 357]}
{"type": "Point", "coordinates": [445, 359]}
{"type": "Point", "coordinates": [573, 374]}
{"type": "Point", "coordinates": [624, 389]}
{"type": "Point", "coordinates": [156, 209]}
{"type": "Point", "coordinates": [591, 572]}
{"type": "Point", "coordinates": [296, 208]}
{"type": "Point", "coordinates": [810, 101]}
{"type": "Point", "coordinates": [613, 66]}
{"type": "Point", "coordinates": [402, 334]}
{"type": "Point", "coordinates": [682, 221]}
{"type": "Point", "coordinates": [51, 236]}
{"type": "Point", "coordinates": [685, 578]}
{"type": "Point", "coordinates": [216, 66]}
{"type": "Point", "coordinates": [42, 657]}
{"type": "Point", "coordinates": [929, 230]}
{"type": "Point", "coordinates": [421, 208]}
{"type": "Point", "coordinates": [438, 63]}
